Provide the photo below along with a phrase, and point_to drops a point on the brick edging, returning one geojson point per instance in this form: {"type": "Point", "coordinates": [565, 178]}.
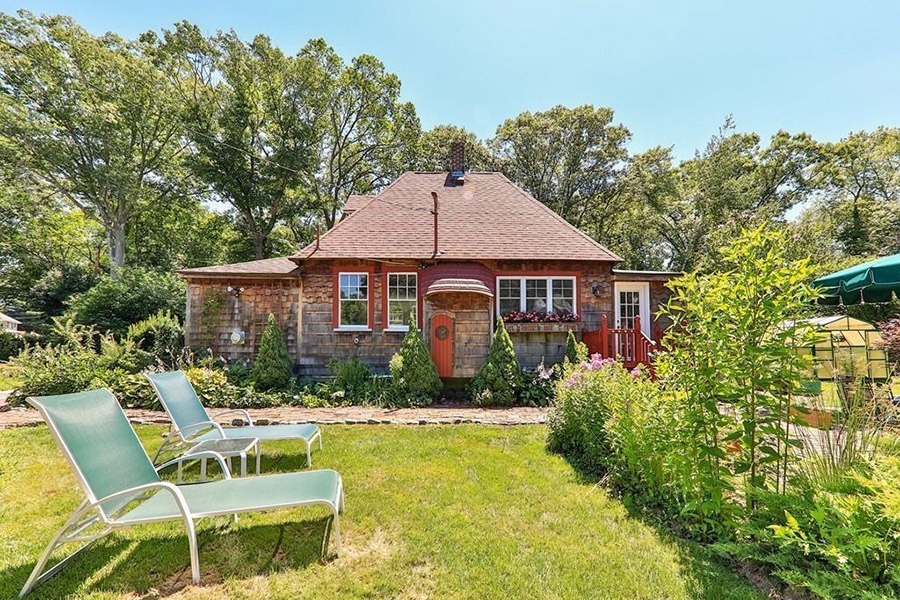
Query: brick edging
{"type": "Point", "coordinates": [361, 415]}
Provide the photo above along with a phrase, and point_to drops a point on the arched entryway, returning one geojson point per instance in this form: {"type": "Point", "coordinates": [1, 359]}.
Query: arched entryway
{"type": "Point", "coordinates": [458, 309]}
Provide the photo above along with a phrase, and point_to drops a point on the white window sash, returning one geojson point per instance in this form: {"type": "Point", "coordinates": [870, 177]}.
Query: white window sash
{"type": "Point", "coordinates": [549, 297]}
{"type": "Point", "coordinates": [341, 301]}
{"type": "Point", "coordinates": [387, 292]}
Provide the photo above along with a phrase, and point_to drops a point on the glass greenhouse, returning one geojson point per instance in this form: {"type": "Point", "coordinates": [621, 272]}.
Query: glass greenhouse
{"type": "Point", "coordinates": [846, 345]}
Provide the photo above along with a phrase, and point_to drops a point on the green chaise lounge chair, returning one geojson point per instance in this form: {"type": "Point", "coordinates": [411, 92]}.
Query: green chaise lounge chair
{"type": "Point", "coordinates": [193, 424]}
{"type": "Point", "coordinates": [123, 489]}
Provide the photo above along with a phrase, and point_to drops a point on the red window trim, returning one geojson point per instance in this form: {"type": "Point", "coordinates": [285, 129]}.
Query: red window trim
{"type": "Point", "coordinates": [548, 273]}
{"type": "Point", "coordinates": [420, 308]}
{"type": "Point", "coordinates": [336, 271]}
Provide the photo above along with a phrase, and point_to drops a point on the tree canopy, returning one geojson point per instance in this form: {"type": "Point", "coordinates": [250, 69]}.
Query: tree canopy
{"type": "Point", "coordinates": [181, 149]}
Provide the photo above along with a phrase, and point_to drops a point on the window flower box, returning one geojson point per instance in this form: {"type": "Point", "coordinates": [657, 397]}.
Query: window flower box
{"type": "Point", "coordinates": [539, 317]}
{"type": "Point", "coordinates": [549, 327]}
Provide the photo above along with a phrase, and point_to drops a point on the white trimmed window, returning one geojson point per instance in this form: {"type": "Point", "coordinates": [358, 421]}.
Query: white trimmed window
{"type": "Point", "coordinates": [536, 294]}
{"type": "Point", "coordinates": [402, 293]}
{"type": "Point", "coordinates": [353, 301]}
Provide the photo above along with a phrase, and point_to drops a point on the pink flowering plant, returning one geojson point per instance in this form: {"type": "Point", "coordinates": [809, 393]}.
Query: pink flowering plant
{"type": "Point", "coordinates": [518, 316]}
{"type": "Point", "coordinates": [598, 419]}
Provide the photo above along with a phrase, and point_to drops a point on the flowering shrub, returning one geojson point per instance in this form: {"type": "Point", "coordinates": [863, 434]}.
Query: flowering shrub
{"type": "Point", "coordinates": [518, 316]}
{"type": "Point", "coordinates": [890, 335]}
{"type": "Point", "coordinates": [600, 420]}
{"type": "Point", "coordinates": [538, 386]}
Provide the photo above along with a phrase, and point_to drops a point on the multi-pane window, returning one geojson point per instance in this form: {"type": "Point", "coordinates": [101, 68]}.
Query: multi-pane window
{"type": "Point", "coordinates": [354, 300]}
{"type": "Point", "coordinates": [509, 295]}
{"type": "Point", "coordinates": [564, 295]}
{"type": "Point", "coordinates": [536, 294]}
{"type": "Point", "coordinates": [629, 308]}
{"type": "Point", "coordinates": [401, 303]}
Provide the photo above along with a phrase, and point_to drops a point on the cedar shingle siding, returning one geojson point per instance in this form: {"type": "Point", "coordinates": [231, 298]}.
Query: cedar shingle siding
{"type": "Point", "coordinates": [487, 227]}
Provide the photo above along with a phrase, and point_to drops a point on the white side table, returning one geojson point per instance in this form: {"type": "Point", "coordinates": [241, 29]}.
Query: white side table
{"type": "Point", "coordinates": [228, 448]}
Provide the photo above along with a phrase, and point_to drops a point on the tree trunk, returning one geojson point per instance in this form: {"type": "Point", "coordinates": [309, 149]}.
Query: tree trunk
{"type": "Point", "coordinates": [115, 239]}
{"type": "Point", "coordinates": [259, 244]}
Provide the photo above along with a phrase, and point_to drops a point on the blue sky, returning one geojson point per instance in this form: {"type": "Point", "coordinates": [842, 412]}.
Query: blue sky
{"type": "Point", "coordinates": [671, 70]}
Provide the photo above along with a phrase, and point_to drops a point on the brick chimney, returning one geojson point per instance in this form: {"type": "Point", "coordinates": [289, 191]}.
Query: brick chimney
{"type": "Point", "coordinates": [458, 160]}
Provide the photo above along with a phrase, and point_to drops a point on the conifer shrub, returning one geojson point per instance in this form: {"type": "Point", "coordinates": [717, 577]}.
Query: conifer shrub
{"type": "Point", "coordinates": [500, 379]}
{"type": "Point", "coordinates": [414, 377]}
{"type": "Point", "coordinates": [576, 352]}
{"type": "Point", "coordinates": [272, 369]}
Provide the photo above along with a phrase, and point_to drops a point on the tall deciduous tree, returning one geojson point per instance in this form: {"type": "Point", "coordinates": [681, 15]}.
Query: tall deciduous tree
{"type": "Point", "coordinates": [434, 149]}
{"type": "Point", "coordinates": [92, 118]}
{"type": "Point", "coordinates": [46, 248]}
{"type": "Point", "coordinates": [858, 179]}
{"type": "Point", "coordinates": [365, 136]}
{"type": "Point", "coordinates": [733, 183]}
{"type": "Point", "coordinates": [571, 159]}
{"type": "Point", "coordinates": [251, 119]}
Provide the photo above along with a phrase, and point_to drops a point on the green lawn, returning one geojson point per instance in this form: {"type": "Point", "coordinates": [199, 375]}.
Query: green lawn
{"type": "Point", "coordinates": [432, 512]}
{"type": "Point", "coordinates": [9, 377]}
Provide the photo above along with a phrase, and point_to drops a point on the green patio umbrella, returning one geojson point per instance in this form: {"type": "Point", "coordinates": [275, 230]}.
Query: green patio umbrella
{"type": "Point", "coordinates": [874, 281]}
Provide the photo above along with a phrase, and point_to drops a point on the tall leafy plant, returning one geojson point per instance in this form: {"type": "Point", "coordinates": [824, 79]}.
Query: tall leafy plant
{"type": "Point", "coordinates": [576, 352]}
{"type": "Point", "coordinates": [733, 364]}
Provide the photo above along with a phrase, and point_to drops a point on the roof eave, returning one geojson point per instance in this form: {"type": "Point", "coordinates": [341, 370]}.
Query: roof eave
{"type": "Point", "coordinates": [189, 274]}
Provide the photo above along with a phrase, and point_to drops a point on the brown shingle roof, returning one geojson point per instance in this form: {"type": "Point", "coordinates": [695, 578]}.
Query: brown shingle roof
{"type": "Point", "coordinates": [488, 217]}
{"type": "Point", "coordinates": [355, 202]}
{"type": "Point", "coordinates": [267, 267]}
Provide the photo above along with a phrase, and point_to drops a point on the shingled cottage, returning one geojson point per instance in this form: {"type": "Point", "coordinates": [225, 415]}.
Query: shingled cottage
{"type": "Point", "coordinates": [458, 250]}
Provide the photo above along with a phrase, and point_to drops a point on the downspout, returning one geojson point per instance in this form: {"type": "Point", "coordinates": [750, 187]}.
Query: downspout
{"type": "Point", "coordinates": [434, 197]}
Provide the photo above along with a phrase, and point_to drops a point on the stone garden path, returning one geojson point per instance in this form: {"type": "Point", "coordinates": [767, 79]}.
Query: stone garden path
{"type": "Point", "coordinates": [440, 414]}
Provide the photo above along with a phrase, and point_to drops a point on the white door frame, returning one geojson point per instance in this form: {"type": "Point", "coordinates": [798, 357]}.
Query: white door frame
{"type": "Point", "coordinates": [643, 289]}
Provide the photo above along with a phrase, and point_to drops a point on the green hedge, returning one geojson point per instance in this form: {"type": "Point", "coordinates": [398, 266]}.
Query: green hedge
{"type": "Point", "coordinates": [135, 294]}
{"type": "Point", "coordinates": [10, 344]}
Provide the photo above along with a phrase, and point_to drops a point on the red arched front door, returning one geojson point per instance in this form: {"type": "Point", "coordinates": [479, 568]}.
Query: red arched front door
{"type": "Point", "coordinates": [442, 344]}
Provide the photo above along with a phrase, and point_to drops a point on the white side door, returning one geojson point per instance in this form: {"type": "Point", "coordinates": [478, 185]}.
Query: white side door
{"type": "Point", "coordinates": [632, 298]}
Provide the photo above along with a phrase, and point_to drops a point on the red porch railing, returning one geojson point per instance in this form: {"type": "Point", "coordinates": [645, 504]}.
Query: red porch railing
{"type": "Point", "coordinates": [630, 346]}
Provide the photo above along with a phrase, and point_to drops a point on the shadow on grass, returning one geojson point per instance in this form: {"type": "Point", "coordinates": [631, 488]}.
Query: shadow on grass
{"type": "Point", "coordinates": [161, 562]}
{"type": "Point", "coordinates": [709, 577]}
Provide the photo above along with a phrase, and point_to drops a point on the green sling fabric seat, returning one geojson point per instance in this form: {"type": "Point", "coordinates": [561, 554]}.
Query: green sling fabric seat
{"type": "Point", "coordinates": [193, 424]}
{"type": "Point", "coordinates": [304, 431]}
{"type": "Point", "coordinates": [230, 496]}
{"type": "Point", "coordinates": [122, 487]}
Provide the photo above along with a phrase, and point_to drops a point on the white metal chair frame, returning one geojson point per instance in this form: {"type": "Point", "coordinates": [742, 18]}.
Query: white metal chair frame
{"type": "Point", "coordinates": [91, 512]}
{"type": "Point", "coordinates": [212, 423]}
